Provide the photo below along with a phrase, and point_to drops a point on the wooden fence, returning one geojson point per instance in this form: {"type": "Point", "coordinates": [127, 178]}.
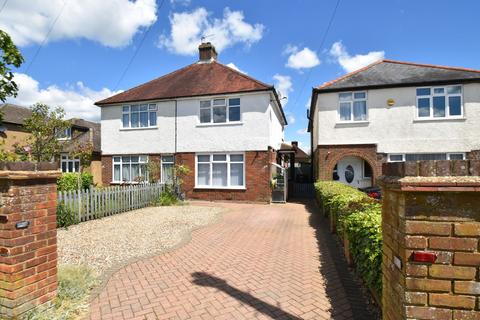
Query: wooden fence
{"type": "Point", "coordinates": [96, 203]}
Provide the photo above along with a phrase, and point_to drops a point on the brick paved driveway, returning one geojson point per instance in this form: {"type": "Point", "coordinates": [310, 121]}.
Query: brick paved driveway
{"type": "Point", "coordinates": [259, 262]}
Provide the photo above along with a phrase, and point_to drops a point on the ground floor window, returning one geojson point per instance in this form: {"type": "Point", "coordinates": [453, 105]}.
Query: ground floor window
{"type": "Point", "coordinates": [130, 168]}
{"type": "Point", "coordinates": [400, 157]}
{"type": "Point", "coordinates": [167, 169]}
{"type": "Point", "coordinates": [220, 170]}
{"type": "Point", "coordinates": [69, 164]}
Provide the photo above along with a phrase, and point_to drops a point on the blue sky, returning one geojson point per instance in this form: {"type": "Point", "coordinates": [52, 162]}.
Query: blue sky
{"type": "Point", "coordinates": [278, 42]}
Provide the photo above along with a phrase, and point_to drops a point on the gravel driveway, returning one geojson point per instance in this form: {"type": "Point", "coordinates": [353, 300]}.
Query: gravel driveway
{"type": "Point", "coordinates": [111, 242]}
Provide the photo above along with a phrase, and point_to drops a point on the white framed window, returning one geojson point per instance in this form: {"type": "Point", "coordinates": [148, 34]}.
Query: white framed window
{"type": "Point", "coordinates": [139, 116]}
{"type": "Point", "coordinates": [396, 157]}
{"type": "Point", "coordinates": [130, 168]}
{"type": "Point", "coordinates": [400, 157]}
{"type": "Point", "coordinates": [220, 170]}
{"type": "Point", "coordinates": [168, 162]}
{"type": "Point", "coordinates": [456, 156]}
{"type": "Point", "coordinates": [64, 134]}
{"type": "Point", "coordinates": [220, 110]}
{"type": "Point", "coordinates": [69, 164]}
{"type": "Point", "coordinates": [352, 106]}
{"type": "Point", "coordinates": [439, 102]}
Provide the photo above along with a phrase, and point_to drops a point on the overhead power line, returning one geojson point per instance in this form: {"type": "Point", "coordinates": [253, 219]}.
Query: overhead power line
{"type": "Point", "coordinates": [136, 51]}
{"type": "Point", "coordinates": [46, 37]}
{"type": "Point", "coordinates": [332, 17]}
{"type": "Point", "coordinates": [3, 6]}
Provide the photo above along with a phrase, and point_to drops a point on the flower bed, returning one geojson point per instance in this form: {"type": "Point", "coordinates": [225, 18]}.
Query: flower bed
{"type": "Point", "coordinates": [357, 220]}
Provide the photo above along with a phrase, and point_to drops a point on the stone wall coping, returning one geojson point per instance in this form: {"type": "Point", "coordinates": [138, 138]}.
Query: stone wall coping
{"type": "Point", "coordinates": [434, 168]}
{"type": "Point", "coordinates": [27, 175]}
{"type": "Point", "coordinates": [460, 183]}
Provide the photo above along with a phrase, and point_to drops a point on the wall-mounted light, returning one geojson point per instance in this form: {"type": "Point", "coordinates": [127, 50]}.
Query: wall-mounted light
{"type": "Point", "coordinates": [390, 102]}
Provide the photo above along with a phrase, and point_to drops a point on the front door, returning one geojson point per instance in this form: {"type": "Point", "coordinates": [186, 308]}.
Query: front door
{"type": "Point", "coordinates": [350, 171]}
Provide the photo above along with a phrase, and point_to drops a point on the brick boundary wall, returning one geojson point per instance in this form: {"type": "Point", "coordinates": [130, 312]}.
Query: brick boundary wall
{"type": "Point", "coordinates": [431, 207]}
{"type": "Point", "coordinates": [28, 256]}
{"type": "Point", "coordinates": [327, 156]}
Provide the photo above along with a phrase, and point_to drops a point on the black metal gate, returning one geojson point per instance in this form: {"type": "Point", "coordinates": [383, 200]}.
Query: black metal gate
{"type": "Point", "coordinates": [301, 190]}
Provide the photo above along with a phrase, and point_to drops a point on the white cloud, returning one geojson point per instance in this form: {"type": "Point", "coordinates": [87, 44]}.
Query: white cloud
{"type": "Point", "coordinates": [302, 131]}
{"type": "Point", "coordinates": [284, 85]}
{"type": "Point", "coordinates": [301, 59]}
{"type": "Point", "coordinates": [234, 67]}
{"type": "Point", "coordinates": [112, 23]}
{"type": "Point", "coordinates": [351, 63]}
{"type": "Point", "coordinates": [290, 118]}
{"type": "Point", "coordinates": [77, 101]}
{"type": "Point", "coordinates": [187, 28]}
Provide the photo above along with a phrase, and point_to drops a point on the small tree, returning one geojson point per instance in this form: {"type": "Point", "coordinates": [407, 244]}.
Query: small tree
{"type": "Point", "coordinates": [45, 125]}
{"type": "Point", "coordinates": [9, 56]}
{"type": "Point", "coordinates": [83, 151]}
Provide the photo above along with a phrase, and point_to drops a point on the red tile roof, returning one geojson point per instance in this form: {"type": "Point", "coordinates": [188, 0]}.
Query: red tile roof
{"type": "Point", "coordinates": [198, 79]}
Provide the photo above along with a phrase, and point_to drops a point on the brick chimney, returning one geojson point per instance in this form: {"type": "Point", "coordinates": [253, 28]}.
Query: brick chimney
{"type": "Point", "coordinates": [207, 52]}
{"type": "Point", "coordinates": [295, 144]}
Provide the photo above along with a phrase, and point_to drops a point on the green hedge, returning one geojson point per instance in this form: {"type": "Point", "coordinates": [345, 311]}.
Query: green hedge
{"type": "Point", "coordinates": [358, 217]}
{"type": "Point", "coordinates": [69, 181]}
{"type": "Point", "coordinates": [364, 231]}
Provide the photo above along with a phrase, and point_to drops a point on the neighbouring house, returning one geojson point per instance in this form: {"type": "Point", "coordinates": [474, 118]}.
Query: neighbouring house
{"type": "Point", "coordinates": [13, 132]}
{"type": "Point", "coordinates": [82, 133]}
{"type": "Point", "coordinates": [11, 129]}
{"type": "Point", "coordinates": [393, 111]}
{"type": "Point", "coordinates": [224, 125]}
{"type": "Point", "coordinates": [297, 162]}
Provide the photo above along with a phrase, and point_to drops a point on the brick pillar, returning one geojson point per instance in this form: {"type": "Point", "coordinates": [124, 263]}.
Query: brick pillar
{"type": "Point", "coordinates": [28, 239]}
{"type": "Point", "coordinates": [431, 207]}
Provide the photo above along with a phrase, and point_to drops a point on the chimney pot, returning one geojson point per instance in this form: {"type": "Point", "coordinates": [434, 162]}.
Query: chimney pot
{"type": "Point", "coordinates": [295, 144]}
{"type": "Point", "coordinates": [207, 52]}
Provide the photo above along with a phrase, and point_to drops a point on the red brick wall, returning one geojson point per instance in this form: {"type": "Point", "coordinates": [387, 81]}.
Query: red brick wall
{"type": "Point", "coordinates": [326, 157]}
{"type": "Point", "coordinates": [440, 217]}
{"type": "Point", "coordinates": [28, 257]}
{"type": "Point", "coordinates": [257, 179]}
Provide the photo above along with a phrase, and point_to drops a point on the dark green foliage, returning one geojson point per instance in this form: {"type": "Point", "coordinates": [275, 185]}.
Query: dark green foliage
{"type": "Point", "coordinates": [10, 57]}
{"type": "Point", "coordinates": [70, 181]}
{"type": "Point", "coordinates": [65, 217]}
{"type": "Point", "coordinates": [167, 198]}
{"type": "Point", "coordinates": [364, 231]}
{"type": "Point", "coordinates": [358, 217]}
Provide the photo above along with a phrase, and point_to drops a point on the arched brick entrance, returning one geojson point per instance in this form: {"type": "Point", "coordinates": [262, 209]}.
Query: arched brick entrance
{"type": "Point", "coordinates": [329, 156]}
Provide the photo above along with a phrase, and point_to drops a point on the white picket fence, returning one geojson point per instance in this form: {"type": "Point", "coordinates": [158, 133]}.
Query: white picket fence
{"type": "Point", "coordinates": [96, 203]}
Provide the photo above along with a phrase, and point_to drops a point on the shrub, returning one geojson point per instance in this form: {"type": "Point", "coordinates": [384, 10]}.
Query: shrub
{"type": "Point", "coordinates": [69, 181]}
{"type": "Point", "coordinates": [341, 200]}
{"type": "Point", "coordinates": [167, 198]}
{"type": "Point", "coordinates": [65, 217]}
{"type": "Point", "coordinates": [364, 231]}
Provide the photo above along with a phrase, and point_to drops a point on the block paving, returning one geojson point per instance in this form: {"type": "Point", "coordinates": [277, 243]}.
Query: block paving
{"type": "Point", "coordinates": [258, 262]}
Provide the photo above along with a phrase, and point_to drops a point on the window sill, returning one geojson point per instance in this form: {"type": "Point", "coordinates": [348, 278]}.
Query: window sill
{"type": "Point", "coordinates": [218, 188]}
{"type": "Point", "coordinates": [352, 123]}
{"type": "Point", "coordinates": [141, 128]}
{"type": "Point", "coordinates": [439, 119]}
{"type": "Point", "coordinates": [236, 123]}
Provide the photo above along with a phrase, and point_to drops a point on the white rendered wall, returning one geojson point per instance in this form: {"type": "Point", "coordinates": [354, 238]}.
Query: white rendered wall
{"type": "Point", "coordinates": [394, 129]}
{"type": "Point", "coordinates": [254, 132]}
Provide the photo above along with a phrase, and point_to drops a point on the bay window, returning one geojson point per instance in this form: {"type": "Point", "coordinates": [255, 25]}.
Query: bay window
{"type": "Point", "coordinates": [439, 102]}
{"type": "Point", "coordinates": [139, 116]}
{"type": "Point", "coordinates": [220, 170]}
{"type": "Point", "coordinates": [130, 168]}
{"type": "Point", "coordinates": [352, 106]}
{"type": "Point", "coordinates": [220, 110]}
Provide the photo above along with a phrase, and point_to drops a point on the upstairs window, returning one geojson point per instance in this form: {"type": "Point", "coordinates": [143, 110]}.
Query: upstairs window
{"type": "Point", "coordinates": [64, 134]}
{"type": "Point", "coordinates": [352, 106]}
{"type": "Point", "coordinates": [139, 116]}
{"type": "Point", "coordinates": [220, 110]}
{"type": "Point", "coordinates": [439, 102]}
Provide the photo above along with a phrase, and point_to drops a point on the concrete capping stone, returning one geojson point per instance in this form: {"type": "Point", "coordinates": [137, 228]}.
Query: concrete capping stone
{"type": "Point", "coordinates": [29, 175]}
{"type": "Point", "coordinates": [434, 168]}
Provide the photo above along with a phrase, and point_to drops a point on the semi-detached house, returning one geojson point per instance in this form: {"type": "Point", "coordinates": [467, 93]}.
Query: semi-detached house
{"type": "Point", "coordinates": [224, 125]}
{"type": "Point", "coordinates": [393, 111]}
